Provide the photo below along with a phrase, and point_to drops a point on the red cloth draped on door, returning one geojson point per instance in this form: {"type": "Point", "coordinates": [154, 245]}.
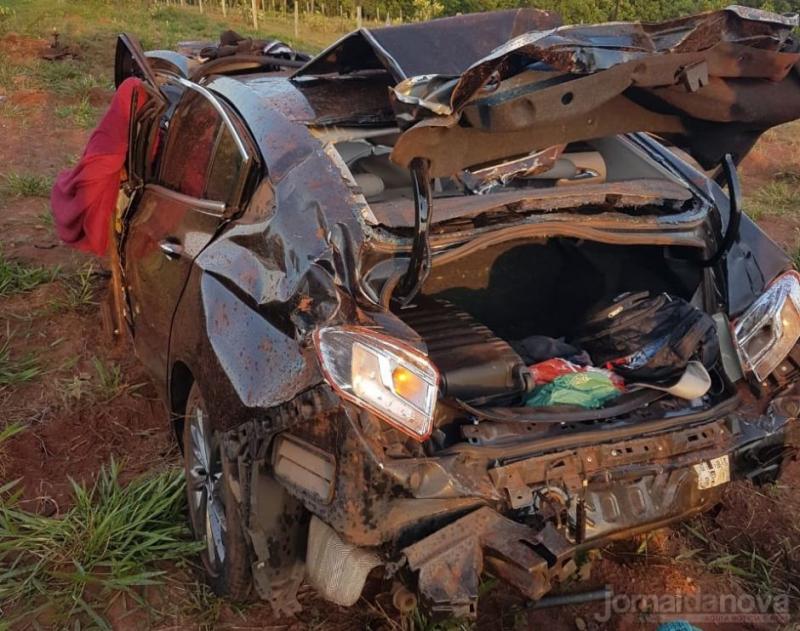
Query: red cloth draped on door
{"type": "Point", "coordinates": [84, 197]}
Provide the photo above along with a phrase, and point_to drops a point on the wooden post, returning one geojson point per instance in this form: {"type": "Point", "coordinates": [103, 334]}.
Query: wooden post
{"type": "Point", "coordinates": [388, 19]}
{"type": "Point", "coordinates": [296, 18]}
{"type": "Point", "coordinates": [224, 8]}
{"type": "Point", "coordinates": [358, 16]}
{"type": "Point", "coordinates": [285, 8]}
{"type": "Point", "coordinates": [377, 14]}
{"type": "Point", "coordinates": [200, 2]}
{"type": "Point", "coordinates": [255, 14]}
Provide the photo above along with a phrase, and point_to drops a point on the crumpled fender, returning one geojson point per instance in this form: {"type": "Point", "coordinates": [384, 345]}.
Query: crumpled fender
{"type": "Point", "coordinates": [289, 264]}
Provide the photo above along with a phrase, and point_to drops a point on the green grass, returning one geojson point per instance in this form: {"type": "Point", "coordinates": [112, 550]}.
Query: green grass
{"type": "Point", "coordinates": [14, 371]}
{"type": "Point", "coordinates": [27, 185]}
{"type": "Point", "coordinates": [17, 277]}
{"type": "Point", "coordinates": [79, 288]}
{"type": "Point", "coordinates": [82, 114]}
{"type": "Point", "coordinates": [779, 197]}
{"type": "Point", "coordinates": [65, 570]}
{"type": "Point", "coordinates": [92, 26]}
{"type": "Point", "coordinates": [8, 431]}
{"type": "Point", "coordinates": [110, 382]}
{"type": "Point", "coordinates": [74, 390]}
{"type": "Point", "coordinates": [758, 574]}
{"type": "Point", "coordinates": [45, 219]}
{"type": "Point", "coordinates": [68, 77]}
{"type": "Point", "coordinates": [10, 110]}
{"type": "Point", "coordinates": [106, 384]}
{"type": "Point", "coordinates": [13, 75]}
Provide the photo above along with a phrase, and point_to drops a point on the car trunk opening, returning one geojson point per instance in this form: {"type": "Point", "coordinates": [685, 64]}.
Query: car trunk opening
{"type": "Point", "coordinates": [477, 313]}
{"type": "Point", "coordinates": [522, 288]}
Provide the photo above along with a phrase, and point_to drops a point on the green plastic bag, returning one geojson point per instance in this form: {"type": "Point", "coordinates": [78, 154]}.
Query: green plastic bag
{"type": "Point", "coordinates": [591, 389]}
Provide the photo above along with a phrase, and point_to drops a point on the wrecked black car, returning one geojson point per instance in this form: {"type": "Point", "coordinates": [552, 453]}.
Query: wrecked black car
{"type": "Point", "coordinates": [461, 296]}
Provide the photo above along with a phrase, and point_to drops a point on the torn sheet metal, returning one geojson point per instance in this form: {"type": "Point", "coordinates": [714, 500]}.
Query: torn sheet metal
{"type": "Point", "coordinates": [682, 78]}
{"type": "Point", "coordinates": [450, 561]}
{"type": "Point", "coordinates": [496, 176]}
{"type": "Point", "coordinates": [445, 46]}
{"type": "Point", "coordinates": [609, 195]}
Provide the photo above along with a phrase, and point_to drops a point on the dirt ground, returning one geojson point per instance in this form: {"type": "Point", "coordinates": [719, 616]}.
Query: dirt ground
{"type": "Point", "coordinates": [75, 425]}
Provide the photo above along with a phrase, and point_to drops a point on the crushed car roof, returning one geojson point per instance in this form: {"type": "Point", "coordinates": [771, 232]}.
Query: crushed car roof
{"type": "Point", "coordinates": [443, 46]}
{"type": "Point", "coordinates": [713, 81]}
{"type": "Point", "coordinates": [481, 87]}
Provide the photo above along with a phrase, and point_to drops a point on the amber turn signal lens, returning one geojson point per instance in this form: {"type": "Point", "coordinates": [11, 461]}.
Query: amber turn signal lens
{"type": "Point", "coordinates": [409, 386]}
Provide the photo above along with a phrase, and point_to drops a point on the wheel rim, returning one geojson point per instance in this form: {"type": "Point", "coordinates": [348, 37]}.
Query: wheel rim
{"type": "Point", "coordinates": [207, 511]}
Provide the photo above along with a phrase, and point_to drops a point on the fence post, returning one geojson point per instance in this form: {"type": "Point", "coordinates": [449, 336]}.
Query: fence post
{"type": "Point", "coordinates": [255, 13]}
{"type": "Point", "coordinates": [224, 9]}
{"type": "Point", "coordinates": [358, 16]}
{"type": "Point", "coordinates": [296, 19]}
{"type": "Point", "coordinates": [200, 2]}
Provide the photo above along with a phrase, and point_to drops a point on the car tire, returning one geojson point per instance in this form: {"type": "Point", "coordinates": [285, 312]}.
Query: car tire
{"type": "Point", "coordinates": [217, 523]}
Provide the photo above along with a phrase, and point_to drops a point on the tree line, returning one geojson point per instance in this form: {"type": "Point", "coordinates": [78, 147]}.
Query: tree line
{"type": "Point", "coordinates": [571, 11]}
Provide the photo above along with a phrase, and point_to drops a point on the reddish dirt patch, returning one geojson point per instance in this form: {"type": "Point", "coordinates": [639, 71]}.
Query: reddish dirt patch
{"type": "Point", "coordinates": [29, 97]}
{"type": "Point", "coordinates": [133, 430]}
{"type": "Point", "coordinates": [28, 235]}
{"type": "Point", "coordinates": [73, 430]}
{"type": "Point", "coordinates": [776, 154]}
{"type": "Point", "coordinates": [19, 48]}
{"type": "Point", "coordinates": [99, 97]}
{"type": "Point", "coordinates": [765, 521]}
{"type": "Point", "coordinates": [767, 162]}
{"type": "Point", "coordinates": [784, 230]}
{"type": "Point", "coordinates": [29, 137]}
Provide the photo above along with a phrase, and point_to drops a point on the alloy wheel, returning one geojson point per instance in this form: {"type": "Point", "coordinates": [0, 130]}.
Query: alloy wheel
{"type": "Point", "coordinates": [204, 480]}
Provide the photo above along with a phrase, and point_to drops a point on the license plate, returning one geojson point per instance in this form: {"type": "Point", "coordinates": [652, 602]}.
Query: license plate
{"type": "Point", "coordinates": [713, 473]}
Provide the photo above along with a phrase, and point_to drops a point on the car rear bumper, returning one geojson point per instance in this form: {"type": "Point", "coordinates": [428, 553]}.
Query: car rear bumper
{"type": "Point", "coordinates": [524, 510]}
{"type": "Point", "coordinates": [619, 502]}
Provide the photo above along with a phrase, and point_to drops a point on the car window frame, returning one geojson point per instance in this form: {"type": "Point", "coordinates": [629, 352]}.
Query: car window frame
{"type": "Point", "coordinates": [210, 168]}
{"type": "Point", "coordinates": [177, 120]}
{"type": "Point", "coordinates": [243, 145]}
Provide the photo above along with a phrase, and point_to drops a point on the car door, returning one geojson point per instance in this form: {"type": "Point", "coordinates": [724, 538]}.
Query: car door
{"type": "Point", "coordinates": [199, 183]}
